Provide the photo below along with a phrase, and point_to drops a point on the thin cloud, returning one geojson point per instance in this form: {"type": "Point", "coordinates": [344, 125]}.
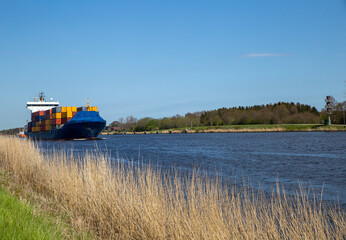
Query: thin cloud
{"type": "Point", "coordinates": [254, 55]}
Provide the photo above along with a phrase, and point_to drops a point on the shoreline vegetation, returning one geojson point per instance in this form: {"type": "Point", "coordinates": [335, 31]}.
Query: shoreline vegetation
{"type": "Point", "coordinates": [280, 116]}
{"type": "Point", "coordinates": [239, 129]}
{"type": "Point", "coordinates": [115, 200]}
{"type": "Point", "coordinates": [22, 220]}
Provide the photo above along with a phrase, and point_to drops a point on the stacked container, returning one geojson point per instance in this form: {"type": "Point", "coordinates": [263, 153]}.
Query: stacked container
{"type": "Point", "coordinates": [44, 121]}
{"type": "Point", "coordinates": [87, 109]}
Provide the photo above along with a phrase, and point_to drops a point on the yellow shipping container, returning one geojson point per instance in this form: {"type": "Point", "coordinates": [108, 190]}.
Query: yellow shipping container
{"type": "Point", "coordinates": [74, 109]}
{"type": "Point", "coordinates": [63, 109]}
{"type": "Point", "coordinates": [92, 109]}
{"type": "Point", "coordinates": [67, 114]}
{"type": "Point", "coordinates": [56, 115]}
{"type": "Point", "coordinates": [68, 109]}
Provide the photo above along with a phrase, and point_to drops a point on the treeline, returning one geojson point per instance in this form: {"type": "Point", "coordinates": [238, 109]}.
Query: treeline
{"type": "Point", "coordinates": [12, 131]}
{"type": "Point", "coordinates": [278, 113]}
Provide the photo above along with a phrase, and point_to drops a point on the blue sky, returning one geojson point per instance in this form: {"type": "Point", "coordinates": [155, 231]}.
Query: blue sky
{"type": "Point", "coordinates": [161, 58]}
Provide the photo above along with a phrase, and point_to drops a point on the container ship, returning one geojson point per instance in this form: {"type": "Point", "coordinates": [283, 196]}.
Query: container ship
{"type": "Point", "coordinates": [49, 121]}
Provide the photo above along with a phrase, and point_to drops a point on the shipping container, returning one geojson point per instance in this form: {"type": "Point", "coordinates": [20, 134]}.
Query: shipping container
{"type": "Point", "coordinates": [67, 114]}
{"type": "Point", "coordinates": [48, 112]}
{"type": "Point", "coordinates": [33, 116]}
{"type": "Point", "coordinates": [82, 109]}
{"type": "Point", "coordinates": [92, 109]}
{"type": "Point", "coordinates": [56, 110]}
{"type": "Point", "coordinates": [43, 128]}
{"type": "Point", "coordinates": [48, 122]}
{"type": "Point", "coordinates": [56, 115]}
{"type": "Point", "coordinates": [65, 120]}
{"type": "Point", "coordinates": [48, 128]}
{"type": "Point", "coordinates": [74, 109]}
{"type": "Point", "coordinates": [56, 121]}
{"type": "Point", "coordinates": [41, 113]}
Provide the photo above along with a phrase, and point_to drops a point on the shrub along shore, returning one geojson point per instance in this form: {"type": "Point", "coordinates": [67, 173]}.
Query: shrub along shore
{"type": "Point", "coordinates": [116, 200]}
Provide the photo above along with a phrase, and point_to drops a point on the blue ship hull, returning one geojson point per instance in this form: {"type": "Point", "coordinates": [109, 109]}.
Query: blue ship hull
{"type": "Point", "coordinates": [85, 124]}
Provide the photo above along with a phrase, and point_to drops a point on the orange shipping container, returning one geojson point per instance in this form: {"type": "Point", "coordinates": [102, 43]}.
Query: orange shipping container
{"type": "Point", "coordinates": [56, 121]}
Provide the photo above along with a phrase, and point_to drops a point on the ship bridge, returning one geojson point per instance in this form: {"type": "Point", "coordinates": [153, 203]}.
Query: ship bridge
{"type": "Point", "coordinates": [40, 104]}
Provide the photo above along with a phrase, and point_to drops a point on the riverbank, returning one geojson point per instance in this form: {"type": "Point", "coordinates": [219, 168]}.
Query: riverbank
{"type": "Point", "coordinates": [241, 129]}
{"type": "Point", "coordinates": [115, 200]}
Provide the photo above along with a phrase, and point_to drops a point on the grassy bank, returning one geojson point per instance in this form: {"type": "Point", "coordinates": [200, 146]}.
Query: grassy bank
{"type": "Point", "coordinates": [245, 128]}
{"type": "Point", "coordinates": [25, 215]}
{"type": "Point", "coordinates": [126, 201]}
{"type": "Point", "coordinates": [19, 220]}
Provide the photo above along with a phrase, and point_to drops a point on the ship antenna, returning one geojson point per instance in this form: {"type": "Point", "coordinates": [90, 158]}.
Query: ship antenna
{"type": "Point", "coordinates": [88, 102]}
{"type": "Point", "coordinates": [41, 97]}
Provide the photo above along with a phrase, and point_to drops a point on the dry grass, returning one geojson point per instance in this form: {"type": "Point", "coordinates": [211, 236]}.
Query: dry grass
{"type": "Point", "coordinates": [126, 201]}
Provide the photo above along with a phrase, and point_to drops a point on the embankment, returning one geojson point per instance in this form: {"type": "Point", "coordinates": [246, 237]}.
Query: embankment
{"type": "Point", "coordinates": [113, 200]}
{"type": "Point", "coordinates": [242, 129]}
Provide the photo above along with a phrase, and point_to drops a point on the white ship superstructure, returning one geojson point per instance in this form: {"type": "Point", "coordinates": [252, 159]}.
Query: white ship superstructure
{"type": "Point", "coordinates": [41, 104]}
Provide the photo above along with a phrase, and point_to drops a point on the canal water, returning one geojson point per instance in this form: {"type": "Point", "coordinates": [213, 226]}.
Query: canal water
{"type": "Point", "coordinates": [315, 159]}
